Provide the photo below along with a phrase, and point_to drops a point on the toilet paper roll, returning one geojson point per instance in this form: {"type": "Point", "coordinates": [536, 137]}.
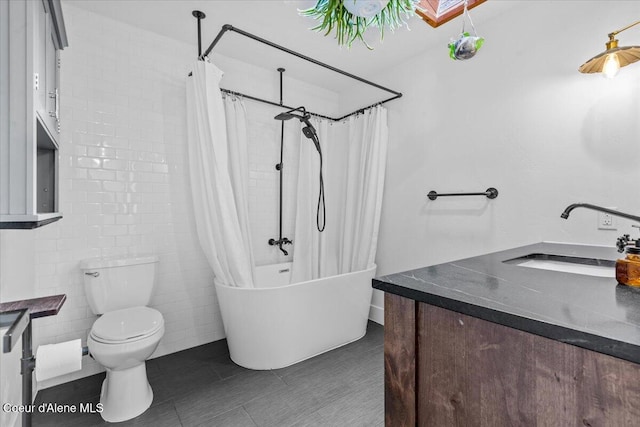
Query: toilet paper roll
{"type": "Point", "coordinates": [53, 360]}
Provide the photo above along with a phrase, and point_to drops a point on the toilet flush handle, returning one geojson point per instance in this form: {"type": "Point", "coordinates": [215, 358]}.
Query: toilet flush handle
{"type": "Point", "coordinates": [92, 273]}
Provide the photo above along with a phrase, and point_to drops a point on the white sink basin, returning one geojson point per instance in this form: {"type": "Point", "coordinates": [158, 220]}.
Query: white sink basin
{"type": "Point", "coordinates": [567, 264]}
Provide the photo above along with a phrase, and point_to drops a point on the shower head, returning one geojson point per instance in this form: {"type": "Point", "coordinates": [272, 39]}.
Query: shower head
{"type": "Point", "coordinates": [288, 115]}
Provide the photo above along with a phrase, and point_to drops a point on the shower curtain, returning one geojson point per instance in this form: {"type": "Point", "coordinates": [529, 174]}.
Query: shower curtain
{"type": "Point", "coordinates": [354, 169]}
{"type": "Point", "coordinates": [218, 169]}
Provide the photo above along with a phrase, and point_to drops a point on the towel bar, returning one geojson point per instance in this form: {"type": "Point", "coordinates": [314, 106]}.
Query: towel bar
{"type": "Point", "coordinates": [491, 193]}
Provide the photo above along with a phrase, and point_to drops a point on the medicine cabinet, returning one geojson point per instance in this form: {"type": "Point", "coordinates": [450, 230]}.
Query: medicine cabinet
{"type": "Point", "coordinates": [32, 34]}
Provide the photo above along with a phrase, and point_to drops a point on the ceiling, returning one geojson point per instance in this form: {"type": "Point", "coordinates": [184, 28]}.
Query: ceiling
{"type": "Point", "coordinates": [279, 22]}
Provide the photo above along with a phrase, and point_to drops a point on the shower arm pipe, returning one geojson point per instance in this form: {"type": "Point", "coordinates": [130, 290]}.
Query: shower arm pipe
{"type": "Point", "coordinates": [280, 166]}
{"type": "Point", "coordinates": [281, 240]}
{"type": "Point", "coordinates": [228, 27]}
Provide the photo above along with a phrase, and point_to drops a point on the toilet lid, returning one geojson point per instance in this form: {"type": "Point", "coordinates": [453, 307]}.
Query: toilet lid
{"type": "Point", "coordinates": [127, 324]}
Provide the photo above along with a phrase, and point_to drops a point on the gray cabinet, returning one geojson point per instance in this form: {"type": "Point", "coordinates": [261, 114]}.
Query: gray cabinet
{"type": "Point", "coordinates": [31, 35]}
{"type": "Point", "coordinates": [49, 112]}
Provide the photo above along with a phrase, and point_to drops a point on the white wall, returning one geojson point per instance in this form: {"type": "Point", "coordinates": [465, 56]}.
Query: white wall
{"type": "Point", "coordinates": [518, 117]}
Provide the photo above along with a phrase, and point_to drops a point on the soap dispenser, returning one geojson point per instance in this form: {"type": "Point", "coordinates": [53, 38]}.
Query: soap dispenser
{"type": "Point", "coordinates": [628, 268]}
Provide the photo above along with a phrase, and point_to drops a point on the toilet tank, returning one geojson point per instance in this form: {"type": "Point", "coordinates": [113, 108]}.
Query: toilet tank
{"type": "Point", "coordinates": [112, 283]}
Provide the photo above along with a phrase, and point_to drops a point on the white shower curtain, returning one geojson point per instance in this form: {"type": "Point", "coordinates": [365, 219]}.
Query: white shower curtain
{"type": "Point", "coordinates": [354, 168]}
{"type": "Point", "coordinates": [218, 169]}
{"type": "Point", "coordinates": [368, 139]}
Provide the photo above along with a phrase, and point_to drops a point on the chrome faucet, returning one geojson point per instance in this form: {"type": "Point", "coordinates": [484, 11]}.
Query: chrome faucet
{"type": "Point", "coordinates": [569, 208]}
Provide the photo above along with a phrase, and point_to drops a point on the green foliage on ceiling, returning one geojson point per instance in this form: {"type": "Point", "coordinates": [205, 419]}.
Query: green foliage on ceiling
{"type": "Point", "coordinates": [334, 16]}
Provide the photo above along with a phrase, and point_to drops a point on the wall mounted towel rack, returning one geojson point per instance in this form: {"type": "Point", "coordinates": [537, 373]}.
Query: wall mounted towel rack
{"type": "Point", "coordinates": [491, 193]}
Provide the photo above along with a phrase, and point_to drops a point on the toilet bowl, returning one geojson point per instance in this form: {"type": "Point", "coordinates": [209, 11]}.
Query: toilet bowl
{"type": "Point", "coordinates": [127, 333]}
{"type": "Point", "coordinates": [121, 341]}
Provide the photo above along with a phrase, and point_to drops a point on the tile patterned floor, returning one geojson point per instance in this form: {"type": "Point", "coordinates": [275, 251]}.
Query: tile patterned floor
{"type": "Point", "coordinates": [203, 387]}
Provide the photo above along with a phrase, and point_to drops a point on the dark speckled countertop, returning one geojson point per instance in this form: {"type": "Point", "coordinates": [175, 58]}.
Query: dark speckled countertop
{"type": "Point", "coordinates": [38, 307]}
{"type": "Point", "coordinates": [595, 313]}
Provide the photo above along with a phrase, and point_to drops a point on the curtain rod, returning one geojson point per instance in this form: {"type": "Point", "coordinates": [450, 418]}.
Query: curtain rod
{"type": "Point", "coordinates": [276, 104]}
{"type": "Point", "coordinates": [228, 27]}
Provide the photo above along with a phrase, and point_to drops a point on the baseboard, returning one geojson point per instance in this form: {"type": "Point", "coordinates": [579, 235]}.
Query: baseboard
{"type": "Point", "coordinates": [376, 314]}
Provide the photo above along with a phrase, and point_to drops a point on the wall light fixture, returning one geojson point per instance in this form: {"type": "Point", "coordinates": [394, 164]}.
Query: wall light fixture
{"type": "Point", "coordinates": [611, 60]}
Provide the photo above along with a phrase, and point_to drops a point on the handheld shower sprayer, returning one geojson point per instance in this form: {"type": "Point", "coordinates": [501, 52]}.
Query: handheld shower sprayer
{"type": "Point", "coordinates": [310, 132]}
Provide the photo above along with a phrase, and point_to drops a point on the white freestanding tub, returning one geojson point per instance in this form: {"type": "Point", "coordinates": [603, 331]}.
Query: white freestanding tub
{"type": "Point", "coordinates": [277, 324]}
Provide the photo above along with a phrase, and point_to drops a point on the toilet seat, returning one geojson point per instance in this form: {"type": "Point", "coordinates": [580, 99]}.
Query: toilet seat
{"type": "Point", "coordinates": [127, 325]}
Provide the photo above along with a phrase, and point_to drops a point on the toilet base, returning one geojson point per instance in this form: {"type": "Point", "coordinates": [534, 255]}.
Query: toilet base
{"type": "Point", "coordinates": [125, 394]}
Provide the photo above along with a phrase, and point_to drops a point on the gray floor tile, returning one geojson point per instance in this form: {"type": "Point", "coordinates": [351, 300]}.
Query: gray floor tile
{"type": "Point", "coordinates": [203, 387]}
{"type": "Point", "coordinates": [200, 407]}
{"type": "Point", "coordinates": [235, 418]}
{"type": "Point", "coordinates": [171, 385]}
{"type": "Point", "coordinates": [338, 366]}
{"type": "Point", "coordinates": [77, 419]}
{"type": "Point", "coordinates": [293, 403]}
{"type": "Point", "coordinates": [162, 415]}
{"type": "Point", "coordinates": [330, 362]}
{"type": "Point", "coordinates": [225, 367]}
{"type": "Point", "coordinates": [153, 368]}
{"type": "Point", "coordinates": [73, 392]}
{"type": "Point", "coordinates": [364, 407]}
{"type": "Point", "coordinates": [190, 359]}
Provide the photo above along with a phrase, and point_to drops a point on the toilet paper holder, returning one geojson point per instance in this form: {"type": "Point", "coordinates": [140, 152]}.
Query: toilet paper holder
{"type": "Point", "coordinates": [27, 366]}
{"type": "Point", "coordinates": [19, 314]}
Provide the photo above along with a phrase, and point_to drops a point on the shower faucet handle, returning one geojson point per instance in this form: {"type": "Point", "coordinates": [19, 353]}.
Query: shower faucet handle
{"type": "Point", "coordinates": [280, 242]}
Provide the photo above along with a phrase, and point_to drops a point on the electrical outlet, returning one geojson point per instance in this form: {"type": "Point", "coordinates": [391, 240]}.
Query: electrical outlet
{"type": "Point", "coordinates": [606, 221]}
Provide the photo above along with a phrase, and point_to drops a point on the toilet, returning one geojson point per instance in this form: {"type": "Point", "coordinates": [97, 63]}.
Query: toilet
{"type": "Point", "coordinates": [127, 332]}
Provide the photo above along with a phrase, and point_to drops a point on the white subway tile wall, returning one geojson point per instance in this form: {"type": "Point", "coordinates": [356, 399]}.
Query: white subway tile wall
{"type": "Point", "coordinates": [124, 184]}
{"type": "Point", "coordinates": [124, 181]}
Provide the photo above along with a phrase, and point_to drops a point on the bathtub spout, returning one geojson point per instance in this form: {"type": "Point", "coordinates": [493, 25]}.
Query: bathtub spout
{"type": "Point", "coordinates": [279, 243]}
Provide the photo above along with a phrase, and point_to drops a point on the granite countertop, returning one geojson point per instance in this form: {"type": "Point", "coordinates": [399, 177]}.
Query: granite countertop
{"type": "Point", "coordinates": [38, 307]}
{"type": "Point", "coordinates": [15, 318]}
{"type": "Point", "coordinates": [595, 313]}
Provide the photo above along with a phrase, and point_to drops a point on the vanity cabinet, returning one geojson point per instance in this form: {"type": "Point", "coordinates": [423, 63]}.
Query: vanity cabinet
{"type": "Point", "coordinates": [485, 342]}
{"type": "Point", "coordinates": [32, 33]}
{"type": "Point", "coordinates": [443, 368]}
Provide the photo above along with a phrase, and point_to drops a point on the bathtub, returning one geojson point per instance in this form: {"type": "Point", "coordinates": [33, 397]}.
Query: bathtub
{"type": "Point", "coordinates": [277, 324]}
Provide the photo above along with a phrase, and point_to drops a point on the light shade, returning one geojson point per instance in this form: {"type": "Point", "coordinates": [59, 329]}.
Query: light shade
{"type": "Point", "coordinates": [626, 55]}
{"type": "Point", "coordinates": [614, 58]}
